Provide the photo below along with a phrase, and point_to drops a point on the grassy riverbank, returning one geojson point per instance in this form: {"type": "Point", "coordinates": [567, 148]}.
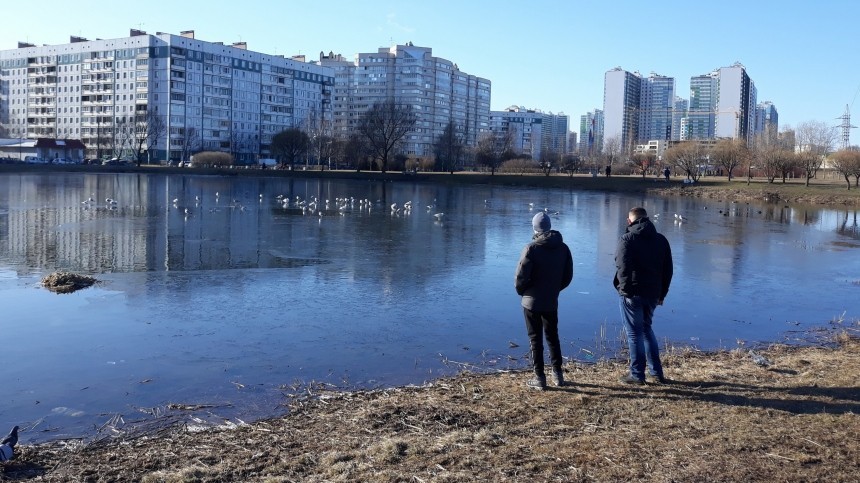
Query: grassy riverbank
{"type": "Point", "coordinates": [723, 418]}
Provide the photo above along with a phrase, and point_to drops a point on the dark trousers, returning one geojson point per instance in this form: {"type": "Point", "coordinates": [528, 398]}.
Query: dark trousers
{"type": "Point", "coordinates": [538, 324]}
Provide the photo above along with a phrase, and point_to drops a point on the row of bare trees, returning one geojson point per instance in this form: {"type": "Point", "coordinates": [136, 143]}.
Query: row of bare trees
{"type": "Point", "coordinates": [801, 151]}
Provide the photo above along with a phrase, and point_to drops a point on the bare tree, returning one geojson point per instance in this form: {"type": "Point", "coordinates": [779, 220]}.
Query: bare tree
{"type": "Point", "coordinates": [729, 154]}
{"type": "Point", "coordinates": [290, 145]}
{"type": "Point", "coordinates": [123, 138]}
{"type": "Point", "coordinates": [572, 163]}
{"type": "Point", "coordinates": [384, 126]}
{"type": "Point", "coordinates": [494, 148]}
{"type": "Point", "coordinates": [687, 157]}
{"type": "Point", "coordinates": [449, 148]}
{"type": "Point", "coordinates": [149, 128]}
{"type": "Point", "coordinates": [817, 139]}
{"type": "Point", "coordinates": [642, 162]}
{"type": "Point", "coordinates": [847, 163]}
{"type": "Point", "coordinates": [549, 159]}
{"type": "Point", "coordinates": [772, 154]}
{"type": "Point", "coordinates": [190, 142]}
{"type": "Point", "coordinates": [612, 150]}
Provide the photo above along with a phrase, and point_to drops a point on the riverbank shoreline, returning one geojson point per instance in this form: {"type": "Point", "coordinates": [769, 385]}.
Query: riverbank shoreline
{"type": "Point", "coordinates": [830, 193]}
{"type": "Point", "coordinates": [723, 418]}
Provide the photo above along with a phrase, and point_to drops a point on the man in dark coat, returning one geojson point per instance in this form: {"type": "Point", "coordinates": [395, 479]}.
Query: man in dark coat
{"type": "Point", "coordinates": [644, 271]}
{"type": "Point", "coordinates": [545, 269]}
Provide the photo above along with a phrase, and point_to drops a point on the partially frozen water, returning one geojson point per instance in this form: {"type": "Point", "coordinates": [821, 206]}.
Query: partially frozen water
{"type": "Point", "coordinates": [240, 297]}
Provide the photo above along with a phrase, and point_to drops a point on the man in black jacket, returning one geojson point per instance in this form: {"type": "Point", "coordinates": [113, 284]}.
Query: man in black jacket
{"type": "Point", "coordinates": [545, 269]}
{"type": "Point", "coordinates": [644, 271]}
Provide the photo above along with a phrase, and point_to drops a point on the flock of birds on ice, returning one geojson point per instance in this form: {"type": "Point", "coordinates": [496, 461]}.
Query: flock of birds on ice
{"type": "Point", "coordinates": [310, 206]}
{"type": "Point", "coordinates": [343, 205]}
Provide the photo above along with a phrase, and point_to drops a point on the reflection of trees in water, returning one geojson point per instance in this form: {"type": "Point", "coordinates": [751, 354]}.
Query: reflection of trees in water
{"type": "Point", "coordinates": [847, 225]}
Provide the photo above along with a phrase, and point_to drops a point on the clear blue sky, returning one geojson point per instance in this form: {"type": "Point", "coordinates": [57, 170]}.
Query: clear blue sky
{"type": "Point", "coordinates": [544, 54]}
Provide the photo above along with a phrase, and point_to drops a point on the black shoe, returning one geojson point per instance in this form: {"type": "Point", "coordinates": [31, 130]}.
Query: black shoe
{"type": "Point", "coordinates": [629, 379]}
{"type": "Point", "coordinates": [558, 378]}
{"type": "Point", "coordinates": [537, 382]}
{"type": "Point", "coordinates": [657, 380]}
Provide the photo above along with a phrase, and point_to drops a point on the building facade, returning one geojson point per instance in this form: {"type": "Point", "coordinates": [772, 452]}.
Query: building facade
{"type": "Point", "coordinates": [591, 133]}
{"type": "Point", "coordinates": [637, 109]}
{"type": "Point", "coordinates": [621, 97]}
{"type": "Point", "coordinates": [701, 115]}
{"type": "Point", "coordinates": [656, 103]}
{"type": "Point", "coordinates": [736, 104]}
{"type": "Point", "coordinates": [534, 133]}
{"type": "Point", "coordinates": [436, 90]}
{"type": "Point", "coordinates": [202, 95]}
{"type": "Point", "coordinates": [679, 114]}
{"type": "Point", "coordinates": [766, 118]}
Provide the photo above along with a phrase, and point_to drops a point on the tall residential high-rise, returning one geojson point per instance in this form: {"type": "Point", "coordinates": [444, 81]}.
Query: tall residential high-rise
{"type": "Point", "coordinates": [679, 112]}
{"type": "Point", "coordinates": [621, 96]}
{"type": "Point", "coordinates": [591, 133]}
{"type": "Point", "coordinates": [435, 88]}
{"type": "Point", "coordinates": [656, 103]}
{"type": "Point", "coordinates": [555, 133]}
{"type": "Point", "coordinates": [534, 133]}
{"type": "Point", "coordinates": [207, 96]}
{"type": "Point", "coordinates": [701, 115]}
{"type": "Point", "coordinates": [736, 102]}
{"type": "Point", "coordinates": [637, 109]}
{"type": "Point", "coordinates": [766, 118]}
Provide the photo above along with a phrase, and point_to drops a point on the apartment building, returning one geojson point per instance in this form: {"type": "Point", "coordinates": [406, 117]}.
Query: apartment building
{"type": "Point", "coordinates": [591, 132]}
{"type": "Point", "coordinates": [736, 105]}
{"type": "Point", "coordinates": [436, 89]}
{"type": "Point", "coordinates": [622, 92]}
{"type": "Point", "coordinates": [637, 108]}
{"type": "Point", "coordinates": [202, 95]}
{"type": "Point", "coordinates": [534, 133]}
{"type": "Point", "coordinates": [766, 119]}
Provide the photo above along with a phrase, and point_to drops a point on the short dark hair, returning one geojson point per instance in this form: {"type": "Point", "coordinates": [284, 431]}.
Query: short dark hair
{"type": "Point", "coordinates": [638, 212]}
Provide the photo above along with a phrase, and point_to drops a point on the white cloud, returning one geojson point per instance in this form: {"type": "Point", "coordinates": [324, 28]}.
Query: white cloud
{"type": "Point", "coordinates": [392, 22]}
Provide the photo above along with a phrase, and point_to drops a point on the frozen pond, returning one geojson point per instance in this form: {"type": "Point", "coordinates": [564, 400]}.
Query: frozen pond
{"type": "Point", "coordinates": [228, 303]}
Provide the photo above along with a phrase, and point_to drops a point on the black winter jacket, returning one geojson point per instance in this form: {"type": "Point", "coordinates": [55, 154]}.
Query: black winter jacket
{"type": "Point", "coordinates": [545, 269]}
{"type": "Point", "coordinates": [643, 261]}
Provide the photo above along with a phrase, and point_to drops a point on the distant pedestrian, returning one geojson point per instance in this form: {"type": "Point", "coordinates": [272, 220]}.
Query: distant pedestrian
{"type": "Point", "coordinates": [666, 173]}
{"type": "Point", "coordinates": [544, 270]}
{"type": "Point", "coordinates": [608, 170]}
{"type": "Point", "coordinates": [643, 262]}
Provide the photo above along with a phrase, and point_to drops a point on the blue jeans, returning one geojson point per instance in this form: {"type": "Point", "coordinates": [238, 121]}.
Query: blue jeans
{"type": "Point", "coordinates": [637, 313]}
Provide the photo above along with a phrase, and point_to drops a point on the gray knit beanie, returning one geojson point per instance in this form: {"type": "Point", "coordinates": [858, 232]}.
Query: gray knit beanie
{"type": "Point", "coordinates": [541, 222]}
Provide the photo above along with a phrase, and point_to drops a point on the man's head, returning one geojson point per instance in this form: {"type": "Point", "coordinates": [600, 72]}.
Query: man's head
{"type": "Point", "coordinates": [636, 214]}
{"type": "Point", "coordinates": [541, 222]}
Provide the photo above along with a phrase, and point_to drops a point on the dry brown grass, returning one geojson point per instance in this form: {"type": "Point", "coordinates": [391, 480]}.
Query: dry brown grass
{"type": "Point", "coordinates": [723, 419]}
{"type": "Point", "coordinates": [67, 282]}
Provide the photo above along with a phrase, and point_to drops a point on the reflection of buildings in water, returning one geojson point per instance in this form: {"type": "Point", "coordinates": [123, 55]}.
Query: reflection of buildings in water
{"type": "Point", "coordinates": [51, 227]}
{"type": "Point", "coordinates": [147, 231]}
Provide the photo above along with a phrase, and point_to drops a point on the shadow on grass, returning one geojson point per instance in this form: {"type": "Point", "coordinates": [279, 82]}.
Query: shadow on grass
{"type": "Point", "coordinates": [796, 400]}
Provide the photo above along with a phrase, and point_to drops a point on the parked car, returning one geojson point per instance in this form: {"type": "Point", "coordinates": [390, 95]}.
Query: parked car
{"type": "Point", "coordinates": [33, 160]}
{"type": "Point", "coordinates": [113, 162]}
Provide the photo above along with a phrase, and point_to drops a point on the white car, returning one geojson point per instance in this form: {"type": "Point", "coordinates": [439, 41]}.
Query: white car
{"type": "Point", "coordinates": [33, 160]}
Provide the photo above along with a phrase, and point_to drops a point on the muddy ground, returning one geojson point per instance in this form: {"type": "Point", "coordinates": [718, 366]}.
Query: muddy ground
{"type": "Point", "coordinates": [723, 418]}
